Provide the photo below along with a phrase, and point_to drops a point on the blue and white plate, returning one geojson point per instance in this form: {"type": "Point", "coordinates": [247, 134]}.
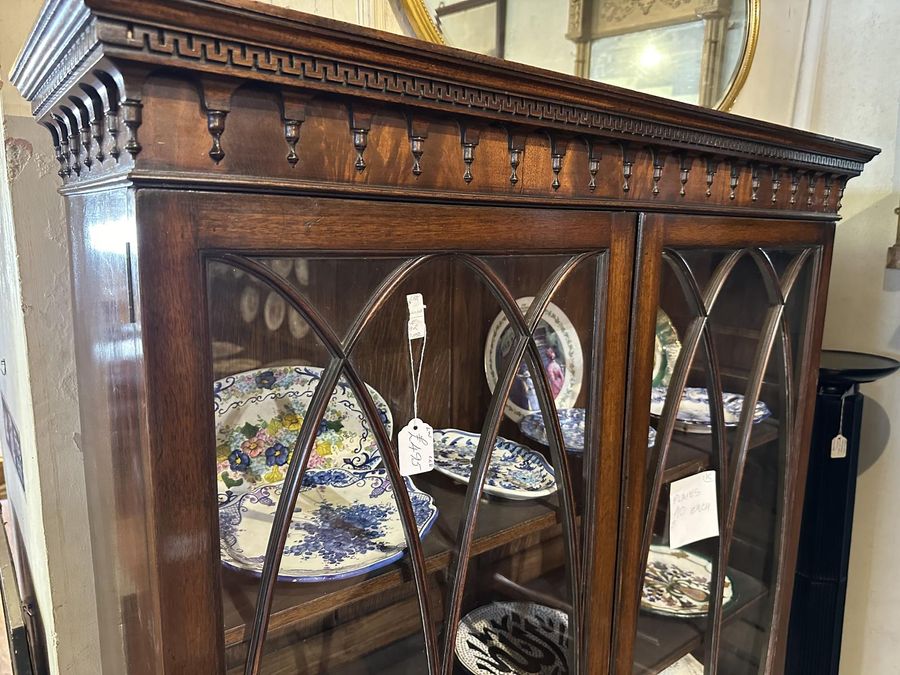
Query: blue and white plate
{"type": "Point", "coordinates": [571, 420]}
{"type": "Point", "coordinates": [515, 472]}
{"type": "Point", "coordinates": [345, 524]}
{"type": "Point", "coordinates": [693, 414]}
{"type": "Point", "coordinates": [259, 415]}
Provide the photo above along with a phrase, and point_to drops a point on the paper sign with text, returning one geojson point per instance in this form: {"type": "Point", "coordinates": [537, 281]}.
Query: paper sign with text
{"type": "Point", "coordinates": [693, 511]}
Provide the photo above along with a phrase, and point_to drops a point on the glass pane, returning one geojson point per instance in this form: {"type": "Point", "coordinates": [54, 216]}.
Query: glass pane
{"type": "Point", "coordinates": [500, 563]}
{"type": "Point", "coordinates": [724, 401]}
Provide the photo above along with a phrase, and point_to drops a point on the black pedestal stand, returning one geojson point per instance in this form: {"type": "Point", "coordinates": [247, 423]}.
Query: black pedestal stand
{"type": "Point", "coordinates": [820, 586]}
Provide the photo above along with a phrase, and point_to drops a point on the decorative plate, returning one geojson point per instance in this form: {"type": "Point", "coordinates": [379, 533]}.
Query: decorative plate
{"type": "Point", "coordinates": [693, 413]}
{"type": "Point", "coordinates": [514, 637]}
{"type": "Point", "coordinates": [560, 351]}
{"type": "Point", "coordinates": [676, 583]}
{"type": "Point", "coordinates": [571, 420]}
{"type": "Point", "coordinates": [345, 523]}
{"type": "Point", "coordinates": [249, 304]}
{"type": "Point", "coordinates": [668, 346]}
{"type": "Point", "coordinates": [274, 311]}
{"type": "Point", "coordinates": [258, 418]}
{"type": "Point", "coordinates": [515, 472]}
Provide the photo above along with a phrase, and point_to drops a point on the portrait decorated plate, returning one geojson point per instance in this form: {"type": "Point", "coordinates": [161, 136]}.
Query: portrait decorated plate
{"type": "Point", "coordinates": [345, 523]}
{"type": "Point", "coordinates": [258, 417]}
{"type": "Point", "coordinates": [676, 583]}
{"type": "Point", "coordinates": [515, 472]}
{"type": "Point", "coordinates": [693, 414]}
{"type": "Point", "coordinates": [571, 421]}
{"type": "Point", "coordinates": [514, 637]}
{"type": "Point", "coordinates": [667, 348]}
{"type": "Point", "coordinates": [561, 355]}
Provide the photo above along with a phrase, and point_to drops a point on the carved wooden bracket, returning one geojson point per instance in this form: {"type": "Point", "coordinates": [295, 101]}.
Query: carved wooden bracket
{"type": "Point", "coordinates": [754, 181]}
{"type": "Point", "coordinates": [627, 165]}
{"type": "Point", "coordinates": [559, 144]}
{"type": "Point", "coordinates": [215, 98]}
{"type": "Point", "coordinates": [712, 165]}
{"type": "Point", "coordinates": [594, 157]}
{"type": "Point", "coordinates": [776, 182]}
{"type": "Point", "coordinates": [658, 156]}
{"type": "Point", "coordinates": [734, 179]}
{"type": "Point", "coordinates": [360, 124]}
{"type": "Point", "coordinates": [516, 141]}
{"type": "Point", "coordinates": [795, 184]}
{"type": "Point", "coordinates": [685, 162]}
{"type": "Point", "coordinates": [468, 137]}
{"type": "Point", "coordinates": [418, 132]}
{"type": "Point", "coordinates": [812, 182]}
{"type": "Point", "coordinates": [293, 114]}
{"type": "Point", "coordinates": [826, 193]}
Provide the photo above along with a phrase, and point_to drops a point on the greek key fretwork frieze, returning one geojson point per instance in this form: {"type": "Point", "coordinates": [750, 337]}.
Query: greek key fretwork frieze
{"type": "Point", "coordinates": [329, 73]}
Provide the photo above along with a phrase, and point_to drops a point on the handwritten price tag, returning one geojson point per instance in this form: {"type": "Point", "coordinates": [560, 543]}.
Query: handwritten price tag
{"type": "Point", "coordinates": [416, 444]}
{"type": "Point", "coordinates": [693, 510]}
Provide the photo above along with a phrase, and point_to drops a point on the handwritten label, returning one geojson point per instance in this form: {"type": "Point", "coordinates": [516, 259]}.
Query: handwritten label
{"type": "Point", "coordinates": [416, 324]}
{"type": "Point", "coordinates": [839, 447]}
{"type": "Point", "coordinates": [416, 445]}
{"type": "Point", "coordinates": [693, 511]}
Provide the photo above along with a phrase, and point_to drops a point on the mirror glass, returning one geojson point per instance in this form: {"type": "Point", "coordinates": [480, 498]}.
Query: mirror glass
{"type": "Point", "coordinates": [695, 51]}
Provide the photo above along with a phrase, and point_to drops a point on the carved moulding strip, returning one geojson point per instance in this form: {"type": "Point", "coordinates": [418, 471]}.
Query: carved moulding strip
{"type": "Point", "coordinates": [166, 46]}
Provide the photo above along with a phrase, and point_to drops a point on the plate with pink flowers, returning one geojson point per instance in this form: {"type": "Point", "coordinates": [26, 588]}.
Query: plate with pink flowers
{"type": "Point", "coordinates": [259, 415]}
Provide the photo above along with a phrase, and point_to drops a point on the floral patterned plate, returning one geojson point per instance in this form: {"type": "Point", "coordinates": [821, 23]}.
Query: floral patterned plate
{"type": "Point", "coordinates": [515, 472]}
{"type": "Point", "coordinates": [514, 637]}
{"type": "Point", "coordinates": [345, 524]}
{"type": "Point", "coordinates": [676, 583]}
{"type": "Point", "coordinates": [693, 414]}
{"type": "Point", "coordinates": [571, 421]}
{"type": "Point", "coordinates": [258, 418]}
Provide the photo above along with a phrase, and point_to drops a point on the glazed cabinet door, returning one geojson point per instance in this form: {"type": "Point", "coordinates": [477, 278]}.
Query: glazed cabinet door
{"type": "Point", "coordinates": [349, 338]}
{"type": "Point", "coordinates": [727, 333]}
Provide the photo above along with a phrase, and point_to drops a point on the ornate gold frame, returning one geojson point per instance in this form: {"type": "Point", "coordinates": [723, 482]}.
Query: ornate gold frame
{"type": "Point", "coordinates": [424, 27]}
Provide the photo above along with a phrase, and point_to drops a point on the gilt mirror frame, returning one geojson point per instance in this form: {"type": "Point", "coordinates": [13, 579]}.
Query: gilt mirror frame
{"type": "Point", "coordinates": [425, 28]}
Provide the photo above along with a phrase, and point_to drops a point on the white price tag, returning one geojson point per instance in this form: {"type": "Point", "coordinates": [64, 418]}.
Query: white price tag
{"type": "Point", "coordinates": [416, 324]}
{"type": "Point", "coordinates": [693, 510]}
{"type": "Point", "coordinates": [839, 447]}
{"type": "Point", "coordinates": [416, 445]}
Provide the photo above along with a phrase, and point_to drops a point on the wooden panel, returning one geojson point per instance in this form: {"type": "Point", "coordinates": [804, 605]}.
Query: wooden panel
{"type": "Point", "coordinates": [268, 223]}
{"type": "Point", "coordinates": [181, 507]}
{"type": "Point", "coordinates": [113, 394]}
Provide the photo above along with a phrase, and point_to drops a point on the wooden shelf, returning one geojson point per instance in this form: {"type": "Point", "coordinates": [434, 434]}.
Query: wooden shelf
{"type": "Point", "coordinates": [662, 640]}
{"type": "Point", "coordinates": [500, 523]}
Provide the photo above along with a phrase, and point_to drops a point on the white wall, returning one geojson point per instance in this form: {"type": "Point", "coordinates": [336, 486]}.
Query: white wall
{"type": "Point", "coordinates": [40, 386]}
{"type": "Point", "coordinates": [856, 94]}
{"type": "Point", "coordinates": [844, 82]}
